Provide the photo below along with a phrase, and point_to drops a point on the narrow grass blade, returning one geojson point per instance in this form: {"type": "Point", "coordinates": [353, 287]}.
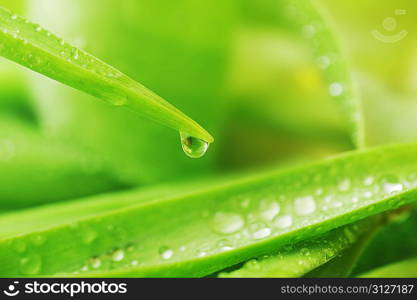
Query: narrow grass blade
{"type": "Point", "coordinates": [331, 60]}
{"type": "Point", "coordinates": [205, 230]}
{"type": "Point", "coordinates": [37, 49]}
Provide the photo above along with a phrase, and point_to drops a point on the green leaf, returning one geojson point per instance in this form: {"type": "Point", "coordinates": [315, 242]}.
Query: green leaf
{"type": "Point", "coordinates": [36, 48]}
{"type": "Point", "coordinates": [37, 170]}
{"type": "Point", "coordinates": [202, 231]}
{"type": "Point", "coordinates": [297, 260]}
{"type": "Point", "coordinates": [406, 268]}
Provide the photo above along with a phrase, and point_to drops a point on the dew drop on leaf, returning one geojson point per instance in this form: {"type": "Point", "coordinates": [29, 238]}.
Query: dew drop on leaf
{"type": "Point", "coordinates": [166, 252]}
{"type": "Point", "coordinates": [368, 181]}
{"type": "Point", "coordinates": [391, 184]}
{"type": "Point", "coordinates": [118, 255]}
{"type": "Point", "coordinates": [224, 245]}
{"type": "Point", "coordinates": [304, 205]}
{"type": "Point", "coordinates": [193, 147]}
{"type": "Point", "coordinates": [226, 223]}
{"type": "Point", "coordinates": [344, 185]}
{"type": "Point", "coordinates": [259, 230]}
{"type": "Point", "coordinates": [268, 209]}
{"type": "Point", "coordinates": [283, 222]}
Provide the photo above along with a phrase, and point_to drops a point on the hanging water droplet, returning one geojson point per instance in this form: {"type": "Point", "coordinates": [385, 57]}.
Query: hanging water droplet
{"type": "Point", "coordinates": [226, 223]}
{"type": "Point", "coordinates": [193, 147]}
{"type": "Point", "coordinates": [166, 253]}
{"type": "Point", "coordinates": [305, 205]}
{"type": "Point", "coordinates": [118, 255]}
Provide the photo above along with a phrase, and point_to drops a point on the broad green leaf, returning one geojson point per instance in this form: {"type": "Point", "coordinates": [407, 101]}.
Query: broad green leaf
{"type": "Point", "coordinates": [36, 48]}
{"type": "Point", "coordinates": [37, 170]}
{"type": "Point", "coordinates": [406, 268]}
{"type": "Point", "coordinates": [199, 232]}
{"type": "Point", "coordinates": [299, 259]}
